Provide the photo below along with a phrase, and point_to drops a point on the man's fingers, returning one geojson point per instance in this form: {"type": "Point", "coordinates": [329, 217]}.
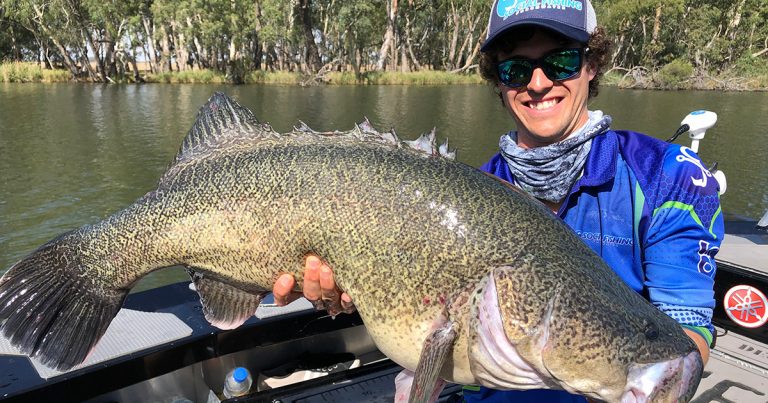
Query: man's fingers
{"type": "Point", "coordinates": [327, 284]}
{"type": "Point", "coordinates": [283, 290]}
{"type": "Point", "coordinates": [320, 288]}
{"type": "Point", "coordinates": [346, 303]}
{"type": "Point", "coordinates": [312, 286]}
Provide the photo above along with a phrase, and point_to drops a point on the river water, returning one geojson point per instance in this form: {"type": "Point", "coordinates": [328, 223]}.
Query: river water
{"type": "Point", "coordinates": [72, 154]}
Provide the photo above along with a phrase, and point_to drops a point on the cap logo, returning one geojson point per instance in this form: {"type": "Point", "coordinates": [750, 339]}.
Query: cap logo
{"type": "Point", "coordinates": [506, 8]}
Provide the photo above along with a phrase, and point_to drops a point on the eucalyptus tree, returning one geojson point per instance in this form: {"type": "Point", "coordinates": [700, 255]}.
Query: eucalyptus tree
{"type": "Point", "coordinates": [16, 42]}
{"type": "Point", "coordinates": [725, 31]}
{"type": "Point", "coordinates": [350, 32]}
{"type": "Point", "coordinates": [101, 40]}
{"type": "Point", "coordinates": [465, 23]}
{"type": "Point", "coordinates": [106, 25]}
{"type": "Point", "coordinates": [708, 34]}
{"type": "Point", "coordinates": [644, 31]}
{"type": "Point", "coordinates": [276, 23]}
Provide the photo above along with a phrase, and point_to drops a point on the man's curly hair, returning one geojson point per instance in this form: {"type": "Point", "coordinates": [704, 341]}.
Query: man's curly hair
{"type": "Point", "coordinates": [599, 48]}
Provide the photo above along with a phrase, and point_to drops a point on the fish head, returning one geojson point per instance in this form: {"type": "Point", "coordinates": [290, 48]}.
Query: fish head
{"type": "Point", "coordinates": [601, 341]}
{"type": "Point", "coordinates": [667, 381]}
{"type": "Point", "coordinates": [637, 363]}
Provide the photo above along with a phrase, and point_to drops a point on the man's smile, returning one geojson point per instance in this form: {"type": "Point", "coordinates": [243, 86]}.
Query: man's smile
{"type": "Point", "coordinates": [543, 103]}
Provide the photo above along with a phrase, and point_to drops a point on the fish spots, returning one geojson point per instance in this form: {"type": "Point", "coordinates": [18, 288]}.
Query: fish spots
{"type": "Point", "coordinates": [427, 300]}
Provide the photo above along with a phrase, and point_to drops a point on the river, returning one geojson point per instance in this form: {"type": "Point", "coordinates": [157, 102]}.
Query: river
{"type": "Point", "coordinates": [71, 154]}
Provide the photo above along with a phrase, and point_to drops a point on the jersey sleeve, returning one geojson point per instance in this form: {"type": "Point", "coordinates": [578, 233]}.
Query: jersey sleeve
{"type": "Point", "coordinates": [682, 239]}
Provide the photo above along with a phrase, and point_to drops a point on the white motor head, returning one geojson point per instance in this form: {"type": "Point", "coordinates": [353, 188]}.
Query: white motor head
{"type": "Point", "coordinates": [699, 122]}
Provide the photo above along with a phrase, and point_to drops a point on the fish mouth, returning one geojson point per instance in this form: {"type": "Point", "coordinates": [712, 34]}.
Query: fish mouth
{"type": "Point", "coordinates": [675, 380]}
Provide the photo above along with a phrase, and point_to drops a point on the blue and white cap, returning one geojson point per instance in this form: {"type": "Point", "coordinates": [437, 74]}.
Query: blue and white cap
{"type": "Point", "coordinates": [574, 19]}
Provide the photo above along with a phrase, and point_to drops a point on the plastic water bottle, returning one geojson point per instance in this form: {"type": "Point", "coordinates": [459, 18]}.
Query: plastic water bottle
{"type": "Point", "coordinates": [238, 383]}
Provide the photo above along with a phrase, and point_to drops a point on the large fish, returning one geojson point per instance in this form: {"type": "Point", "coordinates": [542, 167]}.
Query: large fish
{"type": "Point", "coordinates": [457, 276]}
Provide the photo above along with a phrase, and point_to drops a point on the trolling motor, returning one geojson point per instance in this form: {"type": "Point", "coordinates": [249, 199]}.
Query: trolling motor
{"type": "Point", "coordinates": [696, 124]}
{"type": "Point", "coordinates": [763, 223]}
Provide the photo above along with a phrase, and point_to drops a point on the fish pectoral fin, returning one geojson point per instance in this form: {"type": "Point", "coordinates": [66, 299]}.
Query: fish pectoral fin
{"type": "Point", "coordinates": [224, 306]}
{"type": "Point", "coordinates": [434, 353]}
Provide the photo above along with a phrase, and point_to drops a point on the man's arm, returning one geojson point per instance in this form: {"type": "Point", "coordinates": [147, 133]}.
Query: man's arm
{"type": "Point", "coordinates": [684, 234]}
{"type": "Point", "coordinates": [702, 344]}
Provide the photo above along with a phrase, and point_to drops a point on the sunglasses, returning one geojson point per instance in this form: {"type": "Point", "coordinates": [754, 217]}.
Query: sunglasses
{"type": "Point", "coordinates": [557, 65]}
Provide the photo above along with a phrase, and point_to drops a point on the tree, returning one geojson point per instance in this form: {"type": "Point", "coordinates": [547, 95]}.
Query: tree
{"type": "Point", "coordinates": [101, 40]}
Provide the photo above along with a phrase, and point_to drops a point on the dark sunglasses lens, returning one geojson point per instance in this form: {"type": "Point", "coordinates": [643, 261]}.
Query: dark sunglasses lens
{"type": "Point", "coordinates": [558, 66]}
{"type": "Point", "coordinates": [515, 72]}
{"type": "Point", "coordinates": [562, 65]}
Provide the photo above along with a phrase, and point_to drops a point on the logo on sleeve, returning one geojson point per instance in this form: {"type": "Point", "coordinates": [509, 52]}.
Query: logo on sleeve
{"type": "Point", "coordinates": [746, 306]}
{"type": "Point", "coordinates": [707, 257]}
{"type": "Point", "coordinates": [687, 157]}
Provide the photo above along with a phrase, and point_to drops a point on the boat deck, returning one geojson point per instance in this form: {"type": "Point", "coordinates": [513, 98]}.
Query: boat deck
{"type": "Point", "coordinates": [744, 247]}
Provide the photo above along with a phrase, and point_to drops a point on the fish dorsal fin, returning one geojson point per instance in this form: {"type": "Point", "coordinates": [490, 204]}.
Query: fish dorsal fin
{"type": "Point", "coordinates": [365, 132]}
{"type": "Point", "coordinates": [219, 122]}
{"type": "Point", "coordinates": [222, 123]}
{"type": "Point", "coordinates": [426, 144]}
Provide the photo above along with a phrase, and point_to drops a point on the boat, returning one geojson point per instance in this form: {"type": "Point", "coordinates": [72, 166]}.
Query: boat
{"type": "Point", "coordinates": [160, 348]}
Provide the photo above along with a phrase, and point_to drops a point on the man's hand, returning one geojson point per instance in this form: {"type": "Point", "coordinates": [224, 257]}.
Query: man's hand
{"type": "Point", "coordinates": [319, 288]}
{"type": "Point", "coordinates": [700, 343]}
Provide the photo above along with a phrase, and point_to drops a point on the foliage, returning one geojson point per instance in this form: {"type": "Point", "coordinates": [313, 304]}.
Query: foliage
{"type": "Point", "coordinates": [276, 77]}
{"type": "Point", "coordinates": [418, 78]}
{"type": "Point", "coordinates": [244, 41]}
{"type": "Point", "coordinates": [18, 72]}
{"type": "Point", "coordinates": [204, 76]}
{"type": "Point", "coordinates": [26, 72]}
{"type": "Point", "coordinates": [749, 65]}
{"type": "Point", "coordinates": [674, 74]}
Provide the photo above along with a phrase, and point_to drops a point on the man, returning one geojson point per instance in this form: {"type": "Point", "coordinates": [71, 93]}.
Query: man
{"type": "Point", "coordinates": [650, 209]}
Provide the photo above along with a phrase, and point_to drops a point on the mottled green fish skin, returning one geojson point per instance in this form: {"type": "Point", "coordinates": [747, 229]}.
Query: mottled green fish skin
{"type": "Point", "coordinates": [409, 237]}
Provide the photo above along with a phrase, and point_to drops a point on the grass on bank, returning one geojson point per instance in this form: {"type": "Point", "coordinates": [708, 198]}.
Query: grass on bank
{"type": "Point", "coordinates": [747, 74]}
{"type": "Point", "coordinates": [187, 77]}
{"type": "Point", "coordinates": [21, 72]}
{"type": "Point", "coordinates": [368, 78]}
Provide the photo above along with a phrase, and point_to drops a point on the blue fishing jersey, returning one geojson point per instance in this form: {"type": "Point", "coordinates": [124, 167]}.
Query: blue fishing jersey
{"type": "Point", "coordinates": [651, 210]}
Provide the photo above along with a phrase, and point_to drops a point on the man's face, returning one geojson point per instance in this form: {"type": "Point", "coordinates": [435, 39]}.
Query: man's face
{"type": "Point", "coordinates": [546, 111]}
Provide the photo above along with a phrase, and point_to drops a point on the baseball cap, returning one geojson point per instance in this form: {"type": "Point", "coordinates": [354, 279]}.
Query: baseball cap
{"type": "Point", "coordinates": [574, 19]}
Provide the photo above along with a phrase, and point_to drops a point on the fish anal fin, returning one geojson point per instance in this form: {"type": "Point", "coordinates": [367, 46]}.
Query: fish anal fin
{"type": "Point", "coordinates": [224, 306]}
{"type": "Point", "coordinates": [437, 346]}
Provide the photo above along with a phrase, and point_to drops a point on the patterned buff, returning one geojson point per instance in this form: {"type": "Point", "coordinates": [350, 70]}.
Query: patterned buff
{"type": "Point", "coordinates": [548, 172]}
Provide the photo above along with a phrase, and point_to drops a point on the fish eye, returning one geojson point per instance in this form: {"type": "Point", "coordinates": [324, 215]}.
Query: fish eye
{"type": "Point", "coordinates": [651, 331]}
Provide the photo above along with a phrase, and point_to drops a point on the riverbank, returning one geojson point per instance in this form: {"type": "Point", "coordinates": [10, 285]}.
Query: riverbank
{"type": "Point", "coordinates": [17, 72]}
{"type": "Point", "coordinates": [682, 77]}
{"type": "Point", "coordinates": [670, 77]}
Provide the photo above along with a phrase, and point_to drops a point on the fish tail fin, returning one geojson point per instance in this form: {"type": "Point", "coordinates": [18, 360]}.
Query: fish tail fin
{"type": "Point", "coordinates": [52, 307]}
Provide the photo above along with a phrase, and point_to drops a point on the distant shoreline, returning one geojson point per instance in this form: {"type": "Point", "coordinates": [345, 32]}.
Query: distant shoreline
{"type": "Point", "coordinates": [20, 72]}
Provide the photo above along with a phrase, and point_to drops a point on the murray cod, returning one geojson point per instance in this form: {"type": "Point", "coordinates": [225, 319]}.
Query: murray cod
{"type": "Point", "coordinates": [457, 276]}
